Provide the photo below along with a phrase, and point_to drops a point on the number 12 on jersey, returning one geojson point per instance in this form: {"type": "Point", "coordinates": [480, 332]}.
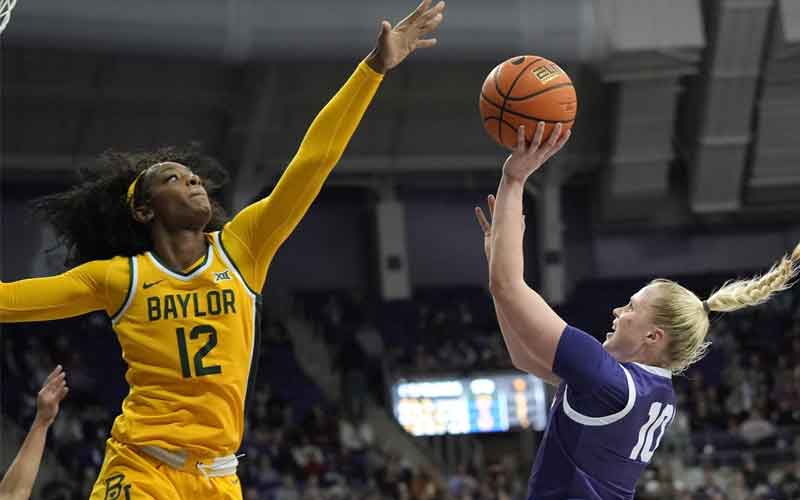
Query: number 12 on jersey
{"type": "Point", "coordinates": [199, 368]}
{"type": "Point", "coordinates": [659, 418]}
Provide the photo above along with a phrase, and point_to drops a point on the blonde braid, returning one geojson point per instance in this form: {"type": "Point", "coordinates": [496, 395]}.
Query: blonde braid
{"type": "Point", "coordinates": [735, 295]}
{"type": "Point", "coordinates": [684, 317]}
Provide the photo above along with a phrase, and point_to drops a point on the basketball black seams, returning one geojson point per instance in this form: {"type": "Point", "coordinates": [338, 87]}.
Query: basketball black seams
{"type": "Point", "coordinates": [510, 90]}
{"type": "Point", "coordinates": [501, 122]}
{"type": "Point", "coordinates": [521, 115]}
{"type": "Point", "coordinates": [539, 92]}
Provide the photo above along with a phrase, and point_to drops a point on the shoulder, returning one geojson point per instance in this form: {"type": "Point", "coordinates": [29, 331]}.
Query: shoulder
{"type": "Point", "coordinates": [98, 269]}
{"type": "Point", "coordinates": [583, 362]}
{"type": "Point", "coordinates": [115, 273]}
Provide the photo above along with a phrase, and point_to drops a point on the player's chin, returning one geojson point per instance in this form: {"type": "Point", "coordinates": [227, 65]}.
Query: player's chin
{"type": "Point", "coordinates": [609, 336]}
{"type": "Point", "coordinates": [200, 216]}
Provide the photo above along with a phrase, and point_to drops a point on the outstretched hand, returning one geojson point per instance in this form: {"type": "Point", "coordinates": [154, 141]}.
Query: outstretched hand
{"type": "Point", "coordinates": [53, 391]}
{"type": "Point", "coordinates": [527, 159]}
{"type": "Point", "coordinates": [486, 226]}
{"type": "Point", "coordinates": [396, 43]}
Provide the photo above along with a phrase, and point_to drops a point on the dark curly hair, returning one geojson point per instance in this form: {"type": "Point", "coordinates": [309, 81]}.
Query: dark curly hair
{"type": "Point", "coordinates": [93, 219]}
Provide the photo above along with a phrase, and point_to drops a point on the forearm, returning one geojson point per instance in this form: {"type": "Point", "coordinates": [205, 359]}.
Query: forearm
{"type": "Point", "coordinates": [18, 480]}
{"type": "Point", "coordinates": [263, 226]}
{"type": "Point", "coordinates": [507, 264]}
{"type": "Point", "coordinates": [332, 129]}
{"type": "Point", "coordinates": [538, 327]}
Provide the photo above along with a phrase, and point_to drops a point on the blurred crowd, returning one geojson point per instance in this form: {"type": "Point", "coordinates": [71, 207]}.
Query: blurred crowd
{"type": "Point", "coordinates": [298, 446]}
{"type": "Point", "coordinates": [737, 436]}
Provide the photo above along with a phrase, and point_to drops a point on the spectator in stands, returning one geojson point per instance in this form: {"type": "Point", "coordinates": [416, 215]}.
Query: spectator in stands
{"type": "Point", "coordinates": [351, 363]}
{"type": "Point", "coordinates": [755, 428]}
{"type": "Point", "coordinates": [287, 490]}
{"type": "Point", "coordinates": [17, 483]}
{"type": "Point", "coordinates": [462, 484]}
{"type": "Point", "coordinates": [424, 486]}
{"type": "Point", "coordinates": [312, 491]}
{"type": "Point", "coordinates": [371, 344]}
{"type": "Point", "coordinates": [308, 458]}
{"type": "Point", "coordinates": [790, 484]}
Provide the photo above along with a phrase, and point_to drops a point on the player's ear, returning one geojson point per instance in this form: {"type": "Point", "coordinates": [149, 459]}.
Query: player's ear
{"type": "Point", "coordinates": [143, 214]}
{"type": "Point", "coordinates": [654, 335]}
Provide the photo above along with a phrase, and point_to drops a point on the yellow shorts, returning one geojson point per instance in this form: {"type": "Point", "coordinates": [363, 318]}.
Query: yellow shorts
{"type": "Point", "coordinates": [128, 474]}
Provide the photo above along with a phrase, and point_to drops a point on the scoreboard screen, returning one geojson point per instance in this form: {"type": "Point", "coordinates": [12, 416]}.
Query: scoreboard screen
{"type": "Point", "coordinates": [485, 403]}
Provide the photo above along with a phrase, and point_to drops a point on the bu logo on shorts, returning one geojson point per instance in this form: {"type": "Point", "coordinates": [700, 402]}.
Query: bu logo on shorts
{"type": "Point", "coordinates": [115, 488]}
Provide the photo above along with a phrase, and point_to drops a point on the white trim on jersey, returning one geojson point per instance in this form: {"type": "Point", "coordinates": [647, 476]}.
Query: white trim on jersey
{"type": "Point", "coordinates": [226, 259]}
{"type": "Point", "coordinates": [609, 419]}
{"type": "Point", "coordinates": [188, 277]}
{"type": "Point", "coordinates": [655, 370]}
{"type": "Point", "coordinates": [131, 293]}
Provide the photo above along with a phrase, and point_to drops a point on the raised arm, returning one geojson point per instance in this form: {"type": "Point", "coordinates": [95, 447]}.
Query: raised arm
{"type": "Point", "coordinates": [17, 483]}
{"type": "Point", "coordinates": [81, 290]}
{"type": "Point", "coordinates": [522, 358]}
{"type": "Point", "coordinates": [256, 233]}
{"type": "Point", "coordinates": [539, 328]}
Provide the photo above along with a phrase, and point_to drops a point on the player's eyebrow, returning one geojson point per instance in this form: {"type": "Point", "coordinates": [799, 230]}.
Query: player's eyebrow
{"type": "Point", "coordinates": [169, 169]}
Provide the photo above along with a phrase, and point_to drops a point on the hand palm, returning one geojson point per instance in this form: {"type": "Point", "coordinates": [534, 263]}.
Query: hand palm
{"type": "Point", "coordinates": [395, 44]}
{"type": "Point", "coordinates": [400, 42]}
{"type": "Point", "coordinates": [52, 392]}
{"type": "Point", "coordinates": [528, 158]}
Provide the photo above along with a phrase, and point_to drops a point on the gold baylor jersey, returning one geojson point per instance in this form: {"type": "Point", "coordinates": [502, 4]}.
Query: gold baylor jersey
{"type": "Point", "coordinates": [188, 339]}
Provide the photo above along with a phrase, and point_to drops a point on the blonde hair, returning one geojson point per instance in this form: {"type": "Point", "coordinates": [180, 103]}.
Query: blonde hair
{"type": "Point", "coordinates": [684, 317]}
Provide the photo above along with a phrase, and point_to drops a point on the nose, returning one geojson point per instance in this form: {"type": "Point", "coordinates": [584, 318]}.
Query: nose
{"type": "Point", "coordinates": [193, 180]}
{"type": "Point", "coordinates": [615, 312]}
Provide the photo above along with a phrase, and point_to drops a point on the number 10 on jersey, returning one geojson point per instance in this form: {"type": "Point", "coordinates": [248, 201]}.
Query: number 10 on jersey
{"type": "Point", "coordinates": [658, 419]}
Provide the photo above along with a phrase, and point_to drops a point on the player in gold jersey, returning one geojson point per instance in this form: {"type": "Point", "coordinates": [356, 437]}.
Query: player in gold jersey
{"type": "Point", "coordinates": [182, 288]}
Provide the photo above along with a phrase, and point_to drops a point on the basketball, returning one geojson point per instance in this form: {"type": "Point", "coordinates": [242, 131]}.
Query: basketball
{"type": "Point", "coordinates": [525, 90]}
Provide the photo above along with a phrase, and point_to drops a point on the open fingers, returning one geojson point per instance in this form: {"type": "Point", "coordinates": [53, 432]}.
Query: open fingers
{"type": "Point", "coordinates": [56, 382]}
{"type": "Point", "coordinates": [56, 389]}
{"type": "Point", "coordinates": [482, 220]}
{"type": "Point", "coordinates": [419, 11]}
{"type": "Point", "coordinates": [537, 136]}
{"type": "Point", "coordinates": [490, 201]}
{"type": "Point", "coordinates": [425, 43]}
{"type": "Point", "coordinates": [555, 134]}
{"type": "Point", "coordinates": [432, 18]}
{"type": "Point", "coordinates": [432, 24]}
{"type": "Point", "coordinates": [521, 138]}
{"type": "Point", "coordinates": [58, 369]}
{"type": "Point", "coordinates": [562, 140]}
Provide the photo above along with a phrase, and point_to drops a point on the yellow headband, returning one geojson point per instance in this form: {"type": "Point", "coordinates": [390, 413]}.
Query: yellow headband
{"type": "Point", "coordinates": [132, 189]}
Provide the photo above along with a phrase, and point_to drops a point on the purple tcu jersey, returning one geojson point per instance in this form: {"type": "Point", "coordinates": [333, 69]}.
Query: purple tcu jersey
{"type": "Point", "coordinates": [606, 421]}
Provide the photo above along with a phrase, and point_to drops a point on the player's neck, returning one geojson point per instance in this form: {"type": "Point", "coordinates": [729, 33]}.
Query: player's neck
{"type": "Point", "coordinates": [179, 249]}
{"type": "Point", "coordinates": [648, 357]}
{"type": "Point", "coordinates": [644, 356]}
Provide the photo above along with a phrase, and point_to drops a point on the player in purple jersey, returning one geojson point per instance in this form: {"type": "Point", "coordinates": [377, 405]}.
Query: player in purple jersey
{"type": "Point", "coordinates": [614, 401]}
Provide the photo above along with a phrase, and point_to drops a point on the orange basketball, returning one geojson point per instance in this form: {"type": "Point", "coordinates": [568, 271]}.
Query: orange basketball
{"type": "Point", "coordinates": [525, 90]}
